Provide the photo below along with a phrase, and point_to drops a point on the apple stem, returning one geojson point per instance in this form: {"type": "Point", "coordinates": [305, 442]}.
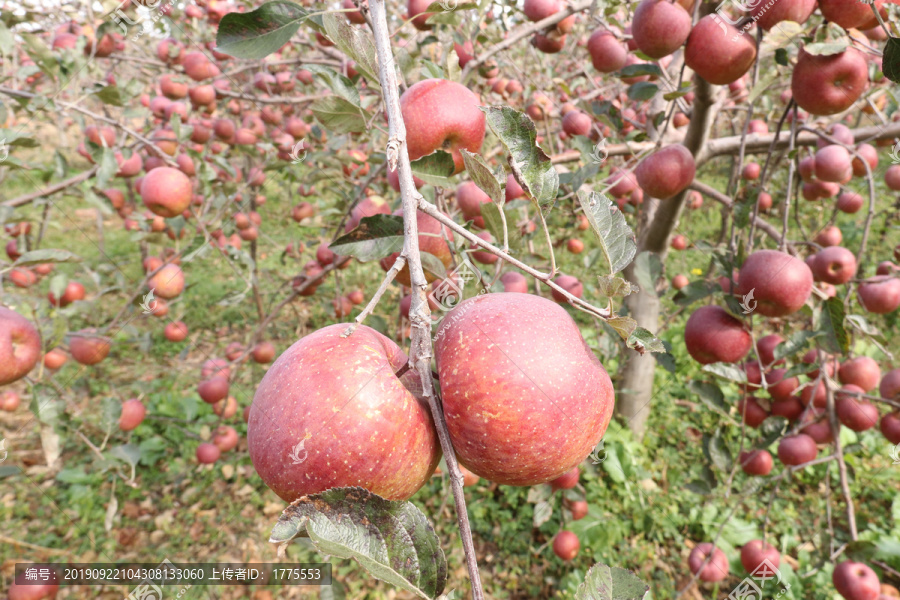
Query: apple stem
{"type": "Point", "coordinates": [421, 350]}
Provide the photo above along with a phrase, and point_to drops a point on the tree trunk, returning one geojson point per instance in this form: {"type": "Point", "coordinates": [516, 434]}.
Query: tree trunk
{"type": "Point", "coordinates": [658, 220]}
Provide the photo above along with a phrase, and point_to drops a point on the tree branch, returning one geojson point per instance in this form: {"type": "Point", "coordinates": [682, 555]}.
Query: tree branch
{"type": "Point", "coordinates": [421, 350]}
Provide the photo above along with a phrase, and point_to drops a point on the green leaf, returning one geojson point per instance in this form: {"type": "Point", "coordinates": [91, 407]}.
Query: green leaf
{"type": "Point", "coordinates": [695, 290]}
{"type": "Point", "coordinates": [431, 70]}
{"type": "Point", "coordinates": [432, 264]}
{"type": "Point", "coordinates": [450, 6]}
{"type": "Point", "coordinates": [108, 167]}
{"type": "Point", "coordinates": [483, 176]}
{"type": "Point", "coordinates": [259, 33]}
{"type": "Point", "coordinates": [530, 164]}
{"type": "Point", "coordinates": [542, 512]}
{"type": "Point", "coordinates": [716, 450]}
{"type": "Point", "coordinates": [435, 168]}
{"type": "Point", "coordinates": [890, 60]}
{"type": "Point", "coordinates": [374, 238]}
{"type": "Point", "coordinates": [339, 115]}
{"type": "Point", "coordinates": [699, 487]}
{"type": "Point", "coordinates": [40, 54]}
{"type": "Point", "coordinates": [611, 583]}
{"type": "Point", "coordinates": [612, 286]}
{"type": "Point", "coordinates": [18, 138]}
{"type": "Point", "coordinates": [643, 341]}
{"type": "Point", "coordinates": [624, 326]}
{"type": "Point", "coordinates": [355, 42]}
{"type": "Point", "coordinates": [9, 470]}
{"type": "Point", "coordinates": [642, 90]}
{"type": "Point", "coordinates": [647, 271]}
{"type": "Point", "coordinates": [492, 222]}
{"type": "Point", "coordinates": [831, 323]}
{"type": "Point", "coordinates": [794, 344]}
{"type": "Point", "coordinates": [766, 80]}
{"type": "Point", "coordinates": [617, 243]}
{"type": "Point", "coordinates": [639, 70]}
{"type": "Point", "coordinates": [336, 82]}
{"type": "Point", "coordinates": [709, 393]}
{"type": "Point", "coordinates": [110, 94]}
{"type": "Point", "coordinates": [781, 56]}
{"type": "Point", "coordinates": [827, 48]}
{"type": "Point", "coordinates": [128, 453]}
{"type": "Point", "coordinates": [726, 371]}
{"type": "Point", "coordinates": [46, 256]}
{"type": "Point", "coordinates": [393, 541]}
{"type": "Point", "coordinates": [772, 429]}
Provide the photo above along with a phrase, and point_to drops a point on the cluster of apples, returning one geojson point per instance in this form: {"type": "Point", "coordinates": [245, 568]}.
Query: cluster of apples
{"type": "Point", "coordinates": [852, 580]}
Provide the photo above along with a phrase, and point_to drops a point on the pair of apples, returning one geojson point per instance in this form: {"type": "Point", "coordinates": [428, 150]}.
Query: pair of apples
{"type": "Point", "coordinates": [524, 398]}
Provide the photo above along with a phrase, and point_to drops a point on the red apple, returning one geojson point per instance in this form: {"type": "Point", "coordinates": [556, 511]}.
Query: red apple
{"type": "Point", "coordinates": [568, 283]}
{"type": "Point", "coordinates": [208, 453]}
{"type": "Point", "coordinates": [797, 449]}
{"type": "Point", "coordinates": [666, 172]}
{"type": "Point", "coordinates": [133, 413]}
{"type": "Point", "coordinates": [88, 348]}
{"type": "Point", "coordinates": [829, 84]}
{"type": "Point", "coordinates": [716, 570]}
{"type": "Point", "coordinates": [175, 331]}
{"type": "Point", "coordinates": [755, 553]}
{"type": "Point", "coordinates": [712, 335]}
{"type": "Point", "coordinates": [608, 54]}
{"type": "Point", "coordinates": [861, 371]}
{"type": "Point", "coordinates": [566, 545]}
{"type": "Point", "coordinates": [225, 438]}
{"type": "Point", "coordinates": [529, 440]}
{"type": "Point", "coordinates": [442, 115]}
{"type": "Point", "coordinates": [659, 28]}
{"type": "Point", "coordinates": [756, 462]}
{"type": "Point", "coordinates": [717, 52]}
{"type": "Point", "coordinates": [835, 265]}
{"type": "Point", "coordinates": [780, 283]}
{"type": "Point", "coordinates": [167, 192]}
{"type": "Point", "coordinates": [890, 427]}
{"type": "Point", "coordinates": [880, 294]}
{"type": "Point", "coordinates": [855, 581]}
{"type": "Point", "coordinates": [168, 282]}
{"type": "Point", "coordinates": [567, 480]}
{"type": "Point", "coordinates": [311, 423]}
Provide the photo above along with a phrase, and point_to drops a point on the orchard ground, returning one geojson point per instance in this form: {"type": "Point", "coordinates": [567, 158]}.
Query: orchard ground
{"type": "Point", "coordinates": [648, 503]}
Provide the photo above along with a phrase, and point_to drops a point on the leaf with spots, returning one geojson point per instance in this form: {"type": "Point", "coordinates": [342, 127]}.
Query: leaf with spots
{"type": "Point", "coordinates": [393, 541]}
{"type": "Point", "coordinates": [611, 583]}
{"type": "Point", "coordinates": [374, 238]}
{"type": "Point", "coordinates": [617, 243]}
{"type": "Point", "coordinates": [530, 165]}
